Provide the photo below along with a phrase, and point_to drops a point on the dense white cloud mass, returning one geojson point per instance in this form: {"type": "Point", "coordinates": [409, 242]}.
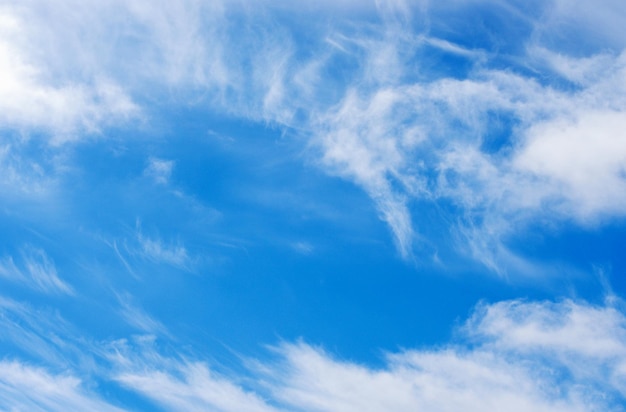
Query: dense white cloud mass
{"type": "Point", "coordinates": [32, 95]}
{"type": "Point", "coordinates": [574, 156]}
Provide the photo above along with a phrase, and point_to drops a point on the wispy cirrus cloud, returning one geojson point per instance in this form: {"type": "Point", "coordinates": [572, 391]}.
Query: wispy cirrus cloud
{"type": "Point", "coordinates": [138, 318]}
{"type": "Point", "coordinates": [34, 331]}
{"type": "Point", "coordinates": [479, 133]}
{"type": "Point", "coordinates": [508, 130]}
{"type": "Point", "coordinates": [24, 387]}
{"type": "Point", "coordinates": [35, 270]}
{"type": "Point", "coordinates": [23, 177]}
{"type": "Point", "coordinates": [156, 250]}
{"type": "Point", "coordinates": [196, 390]}
{"type": "Point", "coordinates": [159, 170]}
{"type": "Point", "coordinates": [505, 146]}
{"type": "Point", "coordinates": [180, 385]}
{"type": "Point", "coordinates": [31, 99]}
{"type": "Point", "coordinates": [140, 247]}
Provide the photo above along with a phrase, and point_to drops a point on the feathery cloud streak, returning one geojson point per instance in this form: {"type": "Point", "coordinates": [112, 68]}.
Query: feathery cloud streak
{"type": "Point", "coordinates": [36, 270]}
{"type": "Point", "coordinates": [24, 387]}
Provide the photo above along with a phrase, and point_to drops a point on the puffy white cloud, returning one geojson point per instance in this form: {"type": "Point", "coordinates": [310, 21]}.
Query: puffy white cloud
{"type": "Point", "coordinates": [589, 342]}
{"type": "Point", "coordinates": [446, 380]}
{"type": "Point", "coordinates": [585, 159]}
{"type": "Point", "coordinates": [537, 356]}
{"type": "Point", "coordinates": [31, 96]}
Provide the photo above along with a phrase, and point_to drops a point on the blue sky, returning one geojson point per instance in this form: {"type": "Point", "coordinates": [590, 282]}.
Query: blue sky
{"type": "Point", "coordinates": [325, 206]}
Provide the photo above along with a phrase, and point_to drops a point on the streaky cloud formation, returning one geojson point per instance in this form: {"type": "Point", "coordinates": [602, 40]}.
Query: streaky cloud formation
{"type": "Point", "coordinates": [35, 270]}
{"type": "Point", "coordinates": [277, 206]}
{"type": "Point", "coordinates": [24, 387]}
{"type": "Point", "coordinates": [516, 355]}
{"type": "Point", "coordinates": [181, 385]}
{"type": "Point", "coordinates": [396, 130]}
{"type": "Point", "coordinates": [31, 99]}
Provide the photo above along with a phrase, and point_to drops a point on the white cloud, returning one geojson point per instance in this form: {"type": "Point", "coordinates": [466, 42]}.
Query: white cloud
{"type": "Point", "coordinates": [437, 381]}
{"type": "Point", "coordinates": [29, 98]}
{"type": "Point", "coordinates": [367, 141]}
{"type": "Point", "coordinates": [391, 124]}
{"type": "Point", "coordinates": [27, 388]}
{"type": "Point", "coordinates": [196, 390]}
{"type": "Point", "coordinates": [155, 250]}
{"type": "Point", "coordinates": [568, 327]}
{"type": "Point", "coordinates": [561, 158]}
{"type": "Point", "coordinates": [564, 155]}
{"type": "Point", "coordinates": [519, 356]}
{"type": "Point", "coordinates": [590, 342]}
{"type": "Point", "coordinates": [138, 318]}
{"type": "Point", "coordinates": [22, 176]}
{"type": "Point", "coordinates": [186, 52]}
{"type": "Point", "coordinates": [177, 384]}
{"type": "Point", "coordinates": [528, 356]}
{"type": "Point", "coordinates": [159, 170]}
{"type": "Point", "coordinates": [36, 270]}
{"type": "Point", "coordinates": [77, 67]}
{"type": "Point", "coordinates": [37, 332]}
{"type": "Point", "coordinates": [582, 70]}
{"type": "Point", "coordinates": [585, 158]}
